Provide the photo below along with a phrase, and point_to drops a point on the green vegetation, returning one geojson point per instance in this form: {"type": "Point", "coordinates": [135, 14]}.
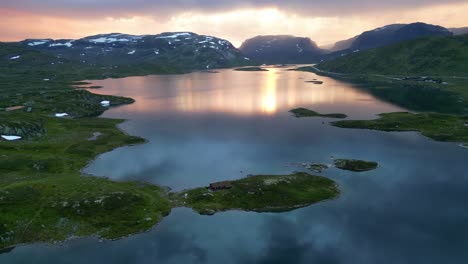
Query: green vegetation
{"type": "Point", "coordinates": [262, 193]}
{"type": "Point", "coordinates": [433, 56]}
{"type": "Point", "coordinates": [303, 112]}
{"type": "Point", "coordinates": [355, 165]}
{"type": "Point", "coordinates": [439, 127]}
{"type": "Point", "coordinates": [250, 69]}
{"type": "Point", "coordinates": [384, 72]}
{"type": "Point", "coordinates": [43, 195]}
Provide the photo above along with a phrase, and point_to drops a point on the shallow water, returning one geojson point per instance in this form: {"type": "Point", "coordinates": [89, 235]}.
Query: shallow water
{"type": "Point", "coordinates": [205, 127]}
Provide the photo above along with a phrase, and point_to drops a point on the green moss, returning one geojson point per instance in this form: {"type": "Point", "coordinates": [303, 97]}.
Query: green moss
{"type": "Point", "coordinates": [43, 197]}
{"type": "Point", "coordinates": [355, 165]}
{"type": "Point", "coordinates": [303, 112]}
{"type": "Point", "coordinates": [261, 193]}
{"type": "Point", "coordinates": [439, 127]}
{"type": "Point", "coordinates": [250, 69]}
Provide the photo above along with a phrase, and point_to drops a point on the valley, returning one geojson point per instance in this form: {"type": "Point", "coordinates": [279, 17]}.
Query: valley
{"type": "Point", "coordinates": [120, 137]}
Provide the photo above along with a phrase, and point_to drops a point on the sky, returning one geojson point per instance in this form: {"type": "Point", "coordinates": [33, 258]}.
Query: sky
{"type": "Point", "coordinates": [324, 21]}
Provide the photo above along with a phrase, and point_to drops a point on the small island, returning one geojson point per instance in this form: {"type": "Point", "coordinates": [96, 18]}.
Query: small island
{"type": "Point", "coordinates": [303, 112]}
{"type": "Point", "coordinates": [315, 82]}
{"type": "Point", "coordinates": [261, 193]}
{"type": "Point", "coordinates": [315, 167]}
{"type": "Point", "coordinates": [250, 69]}
{"type": "Point", "coordinates": [355, 165]}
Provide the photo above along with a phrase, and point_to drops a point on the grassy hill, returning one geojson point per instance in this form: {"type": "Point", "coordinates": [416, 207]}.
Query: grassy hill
{"type": "Point", "coordinates": [434, 56]}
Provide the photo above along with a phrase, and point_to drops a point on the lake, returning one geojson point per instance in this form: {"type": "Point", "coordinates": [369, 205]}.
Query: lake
{"type": "Point", "coordinates": [204, 127]}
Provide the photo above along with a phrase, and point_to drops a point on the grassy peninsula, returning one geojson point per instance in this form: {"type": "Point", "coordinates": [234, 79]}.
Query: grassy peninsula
{"type": "Point", "coordinates": [261, 193]}
{"type": "Point", "coordinates": [439, 127]}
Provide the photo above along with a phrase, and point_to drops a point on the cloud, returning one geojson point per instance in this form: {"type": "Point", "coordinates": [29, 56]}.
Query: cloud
{"type": "Point", "coordinates": [162, 9]}
{"type": "Point", "coordinates": [236, 21]}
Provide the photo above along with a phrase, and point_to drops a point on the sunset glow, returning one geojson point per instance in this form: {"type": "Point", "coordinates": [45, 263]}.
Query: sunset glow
{"type": "Point", "coordinates": [236, 25]}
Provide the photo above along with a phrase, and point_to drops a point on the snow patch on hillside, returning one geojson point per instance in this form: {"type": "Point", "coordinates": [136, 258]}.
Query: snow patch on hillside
{"type": "Point", "coordinates": [35, 43]}
{"type": "Point", "coordinates": [175, 35]}
{"type": "Point", "coordinates": [66, 44]}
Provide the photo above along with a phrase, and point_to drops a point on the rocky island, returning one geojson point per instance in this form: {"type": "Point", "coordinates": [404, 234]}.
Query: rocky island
{"type": "Point", "coordinates": [355, 165]}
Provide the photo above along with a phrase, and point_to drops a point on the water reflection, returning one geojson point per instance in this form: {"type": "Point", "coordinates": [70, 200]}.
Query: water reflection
{"type": "Point", "coordinates": [239, 93]}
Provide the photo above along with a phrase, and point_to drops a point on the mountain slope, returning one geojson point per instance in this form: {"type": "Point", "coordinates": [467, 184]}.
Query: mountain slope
{"type": "Point", "coordinates": [459, 31]}
{"type": "Point", "coordinates": [277, 49]}
{"type": "Point", "coordinates": [182, 49]}
{"type": "Point", "coordinates": [388, 35]}
{"type": "Point", "coordinates": [428, 56]}
{"type": "Point", "coordinates": [343, 44]}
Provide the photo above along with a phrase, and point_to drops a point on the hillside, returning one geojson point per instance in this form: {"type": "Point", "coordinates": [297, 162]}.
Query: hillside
{"type": "Point", "coordinates": [424, 56]}
{"type": "Point", "coordinates": [388, 34]}
{"type": "Point", "coordinates": [281, 49]}
{"type": "Point", "coordinates": [182, 50]}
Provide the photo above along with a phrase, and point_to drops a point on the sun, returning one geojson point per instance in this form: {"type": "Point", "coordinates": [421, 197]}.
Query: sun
{"type": "Point", "coordinates": [269, 15]}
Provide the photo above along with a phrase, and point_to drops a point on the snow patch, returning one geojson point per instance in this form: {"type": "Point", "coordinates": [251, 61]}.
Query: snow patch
{"type": "Point", "coordinates": [299, 49]}
{"type": "Point", "coordinates": [11, 138]}
{"type": "Point", "coordinates": [67, 44]}
{"type": "Point", "coordinates": [105, 103]}
{"type": "Point", "coordinates": [35, 43]}
{"type": "Point", "coordinates": [61, 115]}
{"type": "Point", "coordinates": [108, 40]}
{"type": "Point", "coordinates": [132, 52]}
{"type": "Point", "coordinates": [15, 57]}
{"type": "Point", "coordinates": [176, 35]}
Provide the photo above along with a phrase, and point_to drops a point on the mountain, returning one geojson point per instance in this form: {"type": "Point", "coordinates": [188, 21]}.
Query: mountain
{"type": "Point", "coordinates": [437, 55]}
{"type": "Point", "coordinates": [343, 44]}
{"type": "Point", "coordinates": [396, 33]}
{"type": "Point", "coordinates": [459, 31]}
{"type": "Point", "coordinates": [281, 49]}
{"type": "Point", "coordinates": [184, 50]}
{"type": "Point", "coordinates": [388, 35]}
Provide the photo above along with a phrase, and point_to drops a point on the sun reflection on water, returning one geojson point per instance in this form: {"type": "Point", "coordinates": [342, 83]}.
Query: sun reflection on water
{"type": "Point", "coordinates": [269, 93]}
{"type": "Point", "coordinates": [240, 93]}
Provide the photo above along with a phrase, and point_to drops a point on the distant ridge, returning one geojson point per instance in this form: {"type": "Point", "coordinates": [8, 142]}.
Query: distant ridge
{"type": "Point", "coordinates": [459, 31]}
{"type": "Point", "coordinates": [281, 49]}
{"type": "Point", "coordinates": [185, 50]}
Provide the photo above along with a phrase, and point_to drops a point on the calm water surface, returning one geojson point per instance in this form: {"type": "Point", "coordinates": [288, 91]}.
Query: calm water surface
{"type": "Point", "coordinates": [205, 127]}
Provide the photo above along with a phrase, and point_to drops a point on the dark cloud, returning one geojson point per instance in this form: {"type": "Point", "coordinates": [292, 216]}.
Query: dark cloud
{"type": "Point", "coordinates": [164, 8]}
